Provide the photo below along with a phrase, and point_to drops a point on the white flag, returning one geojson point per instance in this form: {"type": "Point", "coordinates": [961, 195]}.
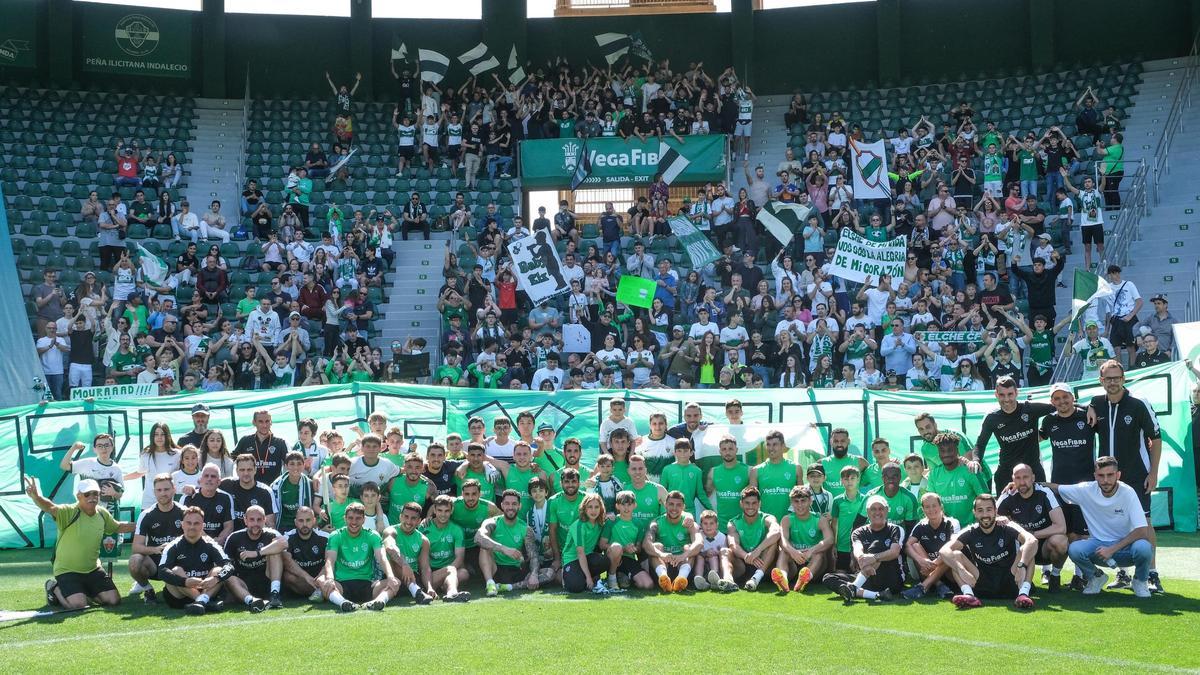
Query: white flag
{"type": "Point", "coordinates": [783, 220]}
{"type": "Point", "coordinates": [153, 267]}
{"type": "Point", "coordinates": [479, 60]}
{"type": "Point", "coordinates": [433, 65]}
{"type": "Point", "coordinates": [538, 267]}
{"type": "Point", "coordinates": [400, 53]}
{"type": "Point", "coordinates": [515, 72]}
{"type": "Point", "coordinates": [869, 164]}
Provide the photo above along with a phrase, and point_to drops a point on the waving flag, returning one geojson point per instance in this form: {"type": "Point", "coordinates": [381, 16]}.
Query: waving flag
{"type": "Point", "coordinates": [399, 50]}
{"type": "Point", "coordinates": [583, 168]}
{"type": "Point", "coordinates": [783, 220]}
{"type": "Point", "coordinates": [670, 162]}
{"type": "Point", "coordinates": [479, 60]}
{"type": "Point", "coordinates": [153, 267]}
{"type": "Point", "coordinates": [1089, 289]}
{"type": "Point", "coordinates": [616, 45]}
{"type": "Point", "coordinates": [515, 72]}
{"type": "Point", "coordinates": [869, 164]}
{"type": "Point", "coordinates": [433, 65]}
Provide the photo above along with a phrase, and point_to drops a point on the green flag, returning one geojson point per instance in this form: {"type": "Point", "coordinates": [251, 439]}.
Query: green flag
{"type": "Point", "coordinates": [1088, 289]}
{"type": "Point", "coordinates": [698, 247]}
{"type": "Point", "coordinates": [635, 291]}
{"type": "Point", "coordinates": [153, 267]}
{"type": "Point", "coordinates": [783, 220]}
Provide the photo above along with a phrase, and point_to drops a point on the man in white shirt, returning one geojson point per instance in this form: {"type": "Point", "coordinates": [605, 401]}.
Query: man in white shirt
{"type": "Point", "coordinates": [550, 372]}
{"type": "Point", "coordinates": [570, 271]}
{"type": "Point", "coordinates": [790, 324]}
{"type": "Point", "coordinates": [213, 224]}
{"type": "Point", "coordinates": [722, 210]}
{"type": "Point", "coordinates": [640, 263]}
{"type": "Point", "coordinates": [300, 250]}
{"type": "Point", "coordinates": [702, 326]}
{"type": "Point", "coordinates": [1119, 533]}
{"type": "Point", "coordinates": [51, 348]}
{"type": "Point", "coordinates": [1125, 304]}
{"type": "Point", "coordinates": [263, 321]}
{"type": "Point", "coordinates": [186, 223]}
{"type": "Point", "coordinates": [877, 297]}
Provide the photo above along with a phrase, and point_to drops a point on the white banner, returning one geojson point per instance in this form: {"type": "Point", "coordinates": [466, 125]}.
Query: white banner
{"type": "Point", "coordinates": [112, 391]}
{"type": "Point", "coordinates": [856, 257]}
{"type": "Point", "coordinates": [576, 339]}
{"type": "Point", "coordinates": [538, 267]}
{"type": "Point", "coordinates": [868, 162]}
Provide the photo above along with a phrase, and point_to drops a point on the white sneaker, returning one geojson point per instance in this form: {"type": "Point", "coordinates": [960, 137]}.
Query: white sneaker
{"type": "Point", "coordinates": [1095, 584]}
{"type": "Point", "coordinates": [1140, 588]}
{"type": "Point", "coordinates": [700, 583]}
{"type": "Point", "coordinates": [135, 590]}
{"type": "Point", "coordinates": [316, 596]}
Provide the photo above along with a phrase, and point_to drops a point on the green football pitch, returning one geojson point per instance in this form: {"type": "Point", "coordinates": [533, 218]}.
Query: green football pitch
{"type": "Point", "coordinates": [551, 631]}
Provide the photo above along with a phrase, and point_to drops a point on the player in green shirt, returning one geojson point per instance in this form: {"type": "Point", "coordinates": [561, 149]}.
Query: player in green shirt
{"type": "Point", "coordinates": [335, 508]}
{"type": "Point", "coordinates": [548, 459]}
{"type": "Point", "coordinates": [727, 480]}
{"type": "Point", "coordinates": [776, 477]}
{"type": "Point", "coordinates": [620, 541]}
{"type": "Point", "coordinates": [507, 549]}
{"type": "Point", "coordinates": [124, 361]}
{"type": "Point", "coordinates": [951, 480]}
{"type": "Point", "coordinates": [673, 541]}
{"type": "Point", "coordinates": [572, 454]}
{"type": "Point", "coordinates": [82, 526]}
{"type": "Point", "coordinates": [903, 508]}
{"type": "Point", "coordinates": [561, 512]}
{"type": "Point", "coordinates": [446, 551]}
{"type": "Point", "coordinates": [685, 477]}
{"type": "Point", "coordinates": [520, 472]}
{"type": "Point", "coordinates": [881, 452]}
{"type": "Point", "coordinates": [753, 538]}
{"type": "Point", "coordinates": [349, 572]}
{"type": "Point", "coordinates": [928, 429]}
{"type": "Point", "coordinates": [838, 458]}
{"type": "Point", "coordinates": [410, 486]}
{"type": "Point", "coordinates": [620, 446]}
{"type": "Point", "coordinates": [580, 556]}
{"type": "Point", "coordinates": [408, 551]}
{"type": "Point", "coordinates": [650, 495]}
{"type": "Point", "coordinates": [469, 512]}
{"type": "Point", "coordinates": [804, 538]}
{"type": "Point", "coordinates": [480, 468]}
{"type": "Point", "coordinates": [844, 510]}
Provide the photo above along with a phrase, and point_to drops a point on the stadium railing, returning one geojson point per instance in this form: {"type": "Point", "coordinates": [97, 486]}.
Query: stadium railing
{"type": "Point", "coordinates": [1174, 123]}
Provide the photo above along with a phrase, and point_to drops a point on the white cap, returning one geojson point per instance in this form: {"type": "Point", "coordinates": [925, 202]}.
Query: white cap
{"type": "Point", "coordinates": [1061, 386]}
{"type": "Point", "coordinates": [86, 485]}
{"type": "Point", "coordinates": [877, 499]}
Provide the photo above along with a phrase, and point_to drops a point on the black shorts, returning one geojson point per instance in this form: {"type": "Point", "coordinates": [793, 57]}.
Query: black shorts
{"type": "Point", "coordinates": [258, 586]}
{"type": "Point", "coordinates": [1041, 558]}
{"type": "Point", "coordinates": [91, 584]}
{"type": "Point", "coordinates": [510, 574]}
{"type": "Point", "coordinates": [431, 149]}
{"type": "Point", "coordinates": [471, 559]}
{"type": "Point", "coordinates": [1000, 585]}
{"type": "Point", "coordinates": [842, 563]}
{"type": "Point", "coordinates": [1076, 524]}
{"type": "Point", "coordinates": [453, 151]}
{"type": "Point", "coordinates": [357, 590]}
{"type": "Point", "coordinates": [1120, 333]}
{"type": "Point", "coordinates": [176, 602]}
{"type": "Point", "coordinates": [630, 566]}
{"type": "Point", "coordinates": [405, 151]}
{"type": "Point", "coordinates": [1143, 496]}
{"type": "Point", "coordinates": [888, 576]}
{"type": "Point", "coordinates": [1092, 234]}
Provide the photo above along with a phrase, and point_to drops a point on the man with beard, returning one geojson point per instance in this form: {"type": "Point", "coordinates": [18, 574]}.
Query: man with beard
{"type": "Point", "coordinates": [903, 508]}
{"type": "Point", "coordinates": [753, 537]}
{"type": "Point", "coordinates": [508, 556]}
{"type": "Point", "coordinates": [469, 512]}
{"type": "Point", "coordinates": [349, 576]}
{"type": "Point", "coordinates": [440, 470]}
{"type": "Point", "coordinates": [215, 503]}
{"type": "Point", "coordinates": [446, 551]}
{"type": "Point", "coordinates": [776, 476]}
{"type": "Point", "coordinates": [876, 550]}
{"type": "Point", "coordinates": [839, 456]}
{"type": "Point", "coordinates": [156, 527]}
{"type": "Point", "coordinates": [1037, 511]}
{"type": "Point", "coordinates": [194, 568]}
{"type": "Point", "coordinates": [991, 560]}
{"type": "Point", "coordinates": [247, 492]}
{"type": "Point", "coordinates": [727, 480]}
{"type": "Point", "coordinates": [304, 557]}
{"type": "Point", "coordinates": [258, 564]}
{"type": "Point", "coordinates": [672, 541]}
{"type": "Point", "coordinates": [927, 427]}
{"type": "Point", "coordinates": [1014, 425]}
{"type": "Point", "coordinates": [952, 480]}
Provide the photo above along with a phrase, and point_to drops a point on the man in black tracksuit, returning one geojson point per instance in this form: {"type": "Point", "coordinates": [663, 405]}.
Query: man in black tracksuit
{"type": "Point", "coordinates": [1040, 283]}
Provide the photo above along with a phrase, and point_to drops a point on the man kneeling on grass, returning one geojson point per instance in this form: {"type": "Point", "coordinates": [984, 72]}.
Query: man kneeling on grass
{"type": "Point", "coordinates": [991, 559]}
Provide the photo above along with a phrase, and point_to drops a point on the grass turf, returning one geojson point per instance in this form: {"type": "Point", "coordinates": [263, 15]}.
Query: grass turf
{"type": "Point", "coordinates": [549, 630]}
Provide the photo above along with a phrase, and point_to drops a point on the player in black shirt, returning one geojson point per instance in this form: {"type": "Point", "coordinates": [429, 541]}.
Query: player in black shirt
{"type": "Point", "coordinates": [441, 470]}
{"type": "Point", "coordinates": [247, 492]}
{"type": "Point", "coordinates": [925, 544]}
{"type": "Point", "coordinates": [194, 568]}
{"type": "Point", "coordinates": [1073, 444]}
{"type": "Point", "coordinates": [990, 559]}
{"type": "Point", "coordinates": [216, 503]}
{"type": "Point", "coordinates": [267, 450]}
{"type": "Point", "coordinates": [257, 561]}
{"type": "Point", "coordinates": [1037, 511]}
{"type": "Point", "coordinates": [876, 546]}
{"type": "Point", "coordinates": [304, 557]}
{"type": "Point", "coordinates": [156, 527]}
{"type": "Point", "coordinates": [1015, 426]}
{"type": "Point", "coordinates": [1129, 431]}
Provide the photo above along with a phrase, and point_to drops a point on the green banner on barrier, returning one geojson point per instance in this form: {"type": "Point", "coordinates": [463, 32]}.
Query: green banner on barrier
{"type": "Point", "coordinates": [135, 41]}
{"type": "Point", "coordinates": [550, 163]}
{"type": "Point", "coordinates": [18, 33]}
{"type": "Point", "coordinates": [34, 438]}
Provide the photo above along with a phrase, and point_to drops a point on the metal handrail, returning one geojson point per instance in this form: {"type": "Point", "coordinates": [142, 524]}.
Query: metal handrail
{"type": "Point", "coordinates": [1174, 123]}
{"type": "Point", "coordinates": [241, 170]}
{"type": "Point", "coordinates": [1192, 311]}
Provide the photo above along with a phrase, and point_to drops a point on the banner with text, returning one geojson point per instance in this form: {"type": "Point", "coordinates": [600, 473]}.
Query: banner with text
{"type": "Point", "coordinates": [135, 41]}
{"type": "Point", "coordinates": [538, 268]}
{"type": "Point", "coordinates": [18, 33]}
{"type": "Point", "coordinates": [34, 438]}
{"type": "Point", "coordinates": [949, 335]}
{"type": "Point", "coordinates": [550, 163]}
{"type": "Point", "coordinates": [699, 249]}
{"type": "Point", "coordinates": [857, 257]}
{"type": "Point", "coordinates": [114, 391]}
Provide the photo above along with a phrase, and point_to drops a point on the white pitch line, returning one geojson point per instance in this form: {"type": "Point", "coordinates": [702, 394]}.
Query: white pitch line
{"type": "Point", "coordinates": [560, 598]}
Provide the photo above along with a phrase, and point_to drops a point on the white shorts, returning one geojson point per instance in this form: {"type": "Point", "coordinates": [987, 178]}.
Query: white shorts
{"type": "Point", "coordinates": [743, 129]}
{"type": "Point", "coordinates": [79, 375]}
